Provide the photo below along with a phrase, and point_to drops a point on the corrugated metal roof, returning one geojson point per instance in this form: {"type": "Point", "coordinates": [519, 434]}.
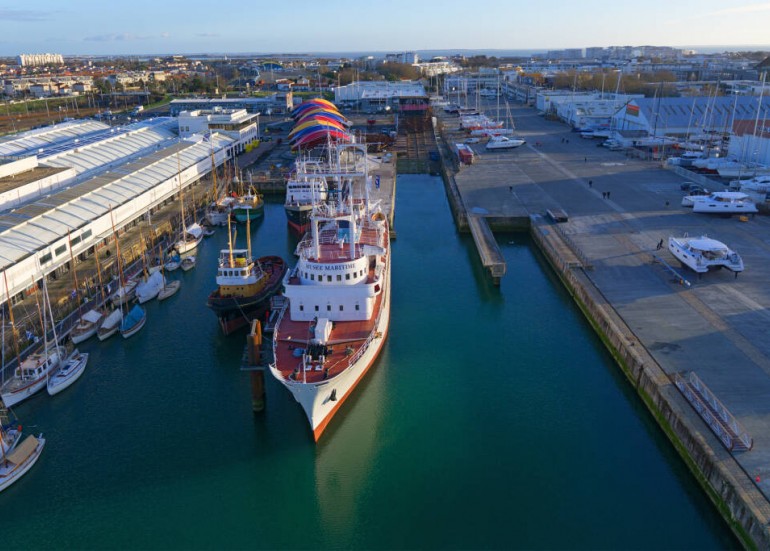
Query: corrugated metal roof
{"type": "Point", "coordinates": [30, 142]}
{"type": "Point", "coordinates": [41, 223]}
{"type": "Point", "coordinates": [701, 112]}
{"type": "Point", "coordinates": [115, 146]}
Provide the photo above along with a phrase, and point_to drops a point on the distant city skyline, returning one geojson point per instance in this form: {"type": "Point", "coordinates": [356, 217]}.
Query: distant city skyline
{"type": "Point", "coordinates": [141, 27]}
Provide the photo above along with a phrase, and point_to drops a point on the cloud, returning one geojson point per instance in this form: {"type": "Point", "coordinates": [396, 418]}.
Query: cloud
{"type": "Point", "coordinates": [23, 15]}
{"type": "Point", "coordinates": [123, 37]}
{"type": "Point", "coordinates": [208, 35]}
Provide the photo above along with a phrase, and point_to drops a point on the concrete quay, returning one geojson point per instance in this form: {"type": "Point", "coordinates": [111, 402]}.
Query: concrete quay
{"type": "Point", "coordinates": [619, 209]}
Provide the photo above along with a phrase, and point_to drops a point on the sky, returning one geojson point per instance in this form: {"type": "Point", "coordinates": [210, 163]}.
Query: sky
{"type": "Point", "coordinates": [140, 27]}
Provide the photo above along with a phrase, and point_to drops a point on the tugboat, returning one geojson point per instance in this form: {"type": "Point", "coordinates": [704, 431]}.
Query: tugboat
{"type": "Point", "coordinates": [244, 286]}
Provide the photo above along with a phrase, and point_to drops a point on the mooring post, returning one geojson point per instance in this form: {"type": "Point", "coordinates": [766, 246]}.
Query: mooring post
{"type": "Point", "coordinates": [253, 347]}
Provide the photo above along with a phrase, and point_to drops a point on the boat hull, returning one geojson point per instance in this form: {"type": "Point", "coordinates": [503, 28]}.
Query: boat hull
{"type": "Point", "coordinates": [242, 214]}
{"type": "Point", "coordinates": [79, 336]}
{"type": "Point", "coordinates": [298, 218]}
{"type": "Point", "coordinates": [71, 372]}
{"type": "Point", "coordinates": [12, 398]}
{"type": "Point", "coordinates": [236, 312]}
{"type": "Point", "coordinates": [321, 401]}
{"type": "Point", "coordinates": [12, 475]}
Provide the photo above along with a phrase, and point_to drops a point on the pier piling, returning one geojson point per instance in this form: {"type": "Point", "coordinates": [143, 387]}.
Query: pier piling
{"type": "Point", "coordinates": [251, 362]}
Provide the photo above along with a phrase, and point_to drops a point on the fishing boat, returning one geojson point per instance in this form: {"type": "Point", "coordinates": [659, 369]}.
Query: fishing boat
{"type": "Point", "coordinates": [702, 254]}
{"type": "Point", "coordinates": [244, 285]}
{"type": "Point", "coordinates": [133, 321]}
{"type": "Point", "coordinates": [110, 325]}
{"type": "Point", "coordinates": [70, 371]}
{"type": "Point", "coordinates": [303, 192]}
{"type": "Point", "coordinates": [149, 288]}
{"type": "Point", "coordinates": [19, 459]}
{"type": "Point", "coordinates": [87, 326]}
{"type": "Point", "coordinates": [250, 205]}
{"type": "Point", "coordinates": [724, 202]}
{"type": "Point", "coordinates": [188, 263]}
{"type": "Point", "coordinates": [338, 312]}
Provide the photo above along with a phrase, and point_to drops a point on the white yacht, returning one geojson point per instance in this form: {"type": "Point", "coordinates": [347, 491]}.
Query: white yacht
{"type": "Point", "coordinates": [702, 254]}
{"type": "Point", "coordinates": [503, 142]}
{"type": "Point", "coordinates": [724, 202]}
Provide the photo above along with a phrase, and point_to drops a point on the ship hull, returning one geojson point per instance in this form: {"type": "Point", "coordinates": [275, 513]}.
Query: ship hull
{"type": "Point", "coordinates": [242, 214]}
{"type": "Point", "coordinates": [321, 401]}
{"type": "Point", "coordinates": [298, 218]}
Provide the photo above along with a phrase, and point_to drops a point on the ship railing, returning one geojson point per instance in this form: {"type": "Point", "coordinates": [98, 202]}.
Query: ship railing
{"type": "Point", "coordinates": [374, 335]}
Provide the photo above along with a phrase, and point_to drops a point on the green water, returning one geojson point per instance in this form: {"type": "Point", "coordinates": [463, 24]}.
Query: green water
{"type": "Point", "coordinates": [493, 419]}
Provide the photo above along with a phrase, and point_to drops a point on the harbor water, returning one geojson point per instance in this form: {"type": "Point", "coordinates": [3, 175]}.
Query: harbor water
{"type": "Point", "coordinates": [493, 419]}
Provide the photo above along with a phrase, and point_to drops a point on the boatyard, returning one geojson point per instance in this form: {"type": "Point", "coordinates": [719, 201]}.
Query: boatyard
{"type": "Point", "coordinates": [667, 327]}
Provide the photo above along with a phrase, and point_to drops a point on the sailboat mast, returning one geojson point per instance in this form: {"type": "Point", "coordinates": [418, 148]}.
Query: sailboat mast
{"type": "Point", "coordinates": [50, 311]}
{"type": "Point", "coordinates": [42, 316]}
{"type": "Point", "coordinates": [14, 332]}
{"type": "Point", "coordinates": [75, 276]}
{"type": "Point", "coordinates": [117, 254]}
{"type": "Point", "coordinates": [181, 196]}
{"type": "Point", "coordinates": [230, 241]}
{"type": "Point", "coordinates": [248, 238]}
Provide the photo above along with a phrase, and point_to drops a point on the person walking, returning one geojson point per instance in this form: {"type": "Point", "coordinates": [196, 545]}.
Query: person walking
{"type": "Point", "coordinates": [660, 245]}
{"type": "Point", "coordinates": [590, 183]}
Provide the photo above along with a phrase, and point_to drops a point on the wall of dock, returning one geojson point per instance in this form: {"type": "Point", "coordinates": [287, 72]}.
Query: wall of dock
{"type": "Point", "coordinates": [730, 488]}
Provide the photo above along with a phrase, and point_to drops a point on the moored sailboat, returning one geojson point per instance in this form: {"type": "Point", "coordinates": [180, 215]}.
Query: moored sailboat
{"type": "Point", "coordinates": [16, 461]}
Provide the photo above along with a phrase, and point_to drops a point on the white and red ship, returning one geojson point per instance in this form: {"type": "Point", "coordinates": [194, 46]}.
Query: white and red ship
{"type": "Point", "coordinates": [336, 320]}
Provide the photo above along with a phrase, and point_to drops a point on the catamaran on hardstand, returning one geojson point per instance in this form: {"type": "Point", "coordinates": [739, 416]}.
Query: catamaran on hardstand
{"type": "Point", "coordinates": [336, 321]}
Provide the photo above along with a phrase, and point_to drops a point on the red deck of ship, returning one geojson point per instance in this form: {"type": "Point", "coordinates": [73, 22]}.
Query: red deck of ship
{"type": "Point", "coordinates": [347, 337]}
{"type": "Point", "coordinates": [346, 340]}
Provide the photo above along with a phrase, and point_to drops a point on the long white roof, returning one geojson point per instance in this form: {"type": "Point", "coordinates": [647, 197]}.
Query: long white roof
{"type": "Point", "coordinates": [32, 141]}
{"type": "Point", "coordinates": [116, 147]}
{"type": "Point", "coordinates": [39, 224]}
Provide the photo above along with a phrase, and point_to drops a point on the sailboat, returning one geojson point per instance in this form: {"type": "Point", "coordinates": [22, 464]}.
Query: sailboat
{"type": "Point", "coordinates": [169, 287]}
{"type": "Point", "coordinates": [193, 234]}
{"type": "Point", "coordinates": [69, 372]}
{"type": "Point", "coordinates": [32, 373]}
{"type": "Point", "coordinates": [149, 287]}
{"type": "Point", "coordinates": [88, 323]}
{"type": "Point", "coordinates": [499, 141]}
{"type": "Point", "coordinates": [17, 456]}
{"type": "Point", "coordinates": [218, 212]}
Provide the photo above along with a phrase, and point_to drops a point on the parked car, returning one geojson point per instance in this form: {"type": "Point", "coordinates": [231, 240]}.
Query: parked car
{"type": "Point", "coordinates": [472, 140]}
{"type": "Point", "coordinates": [685, 186]}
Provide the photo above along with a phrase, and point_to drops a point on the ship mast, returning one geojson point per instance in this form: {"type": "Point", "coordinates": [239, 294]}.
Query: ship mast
{"type": "Point", "coordinates": [14, 331]}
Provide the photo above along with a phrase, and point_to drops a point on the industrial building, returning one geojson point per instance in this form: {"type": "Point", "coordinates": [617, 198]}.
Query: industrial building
{"type": "Point", "coordinates": [64, 188]}
{"type": "Point", "coordinates": [277, 103]}
{"type": "Point", "coordinates": [380, 96]}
